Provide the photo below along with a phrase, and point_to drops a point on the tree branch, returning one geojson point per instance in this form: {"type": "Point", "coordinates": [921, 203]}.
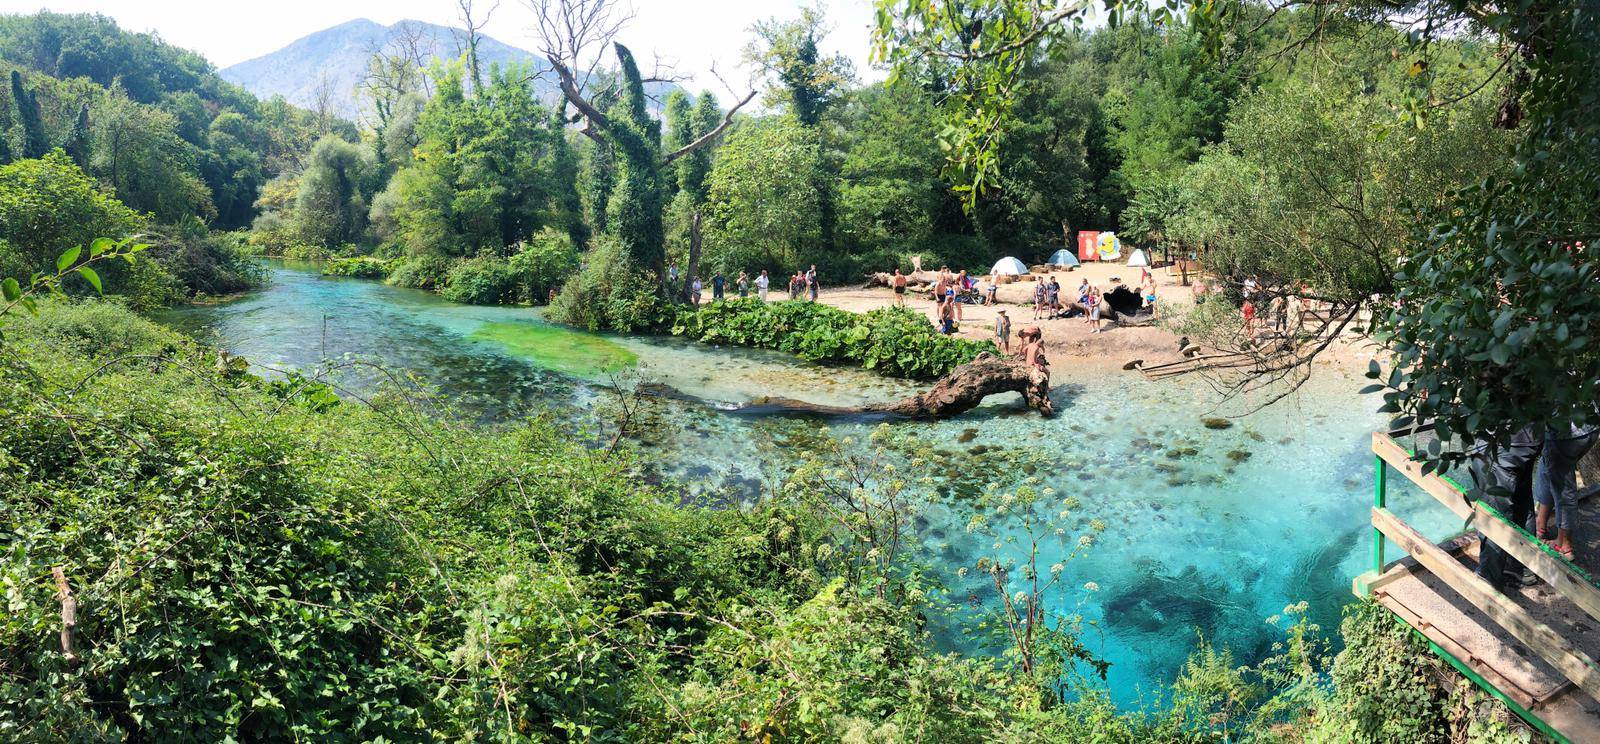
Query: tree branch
{"type": "Point", "coordinates": [709, 137]}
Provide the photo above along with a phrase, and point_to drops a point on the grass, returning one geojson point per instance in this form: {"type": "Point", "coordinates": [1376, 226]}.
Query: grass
{"type": "Point", "coordinates": [563, 350]}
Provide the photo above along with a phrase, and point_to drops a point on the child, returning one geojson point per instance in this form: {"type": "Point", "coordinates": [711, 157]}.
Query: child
{"type": "Point", "coordinates": [1002, 330]}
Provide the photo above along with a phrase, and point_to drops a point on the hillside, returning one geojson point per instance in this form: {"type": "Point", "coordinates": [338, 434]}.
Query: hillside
{"type": "Point", "coordinates": [339, 55]}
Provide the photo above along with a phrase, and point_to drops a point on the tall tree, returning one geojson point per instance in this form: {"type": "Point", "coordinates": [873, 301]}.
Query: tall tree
{"type": "Point", "coordinates": [808, 84]}
{"type": "Point", "coordinates": [568, 30]}
{"type": "Point", "coordinates": [77, 142]}
{"type": "Point", "coordinates": [35, 140]}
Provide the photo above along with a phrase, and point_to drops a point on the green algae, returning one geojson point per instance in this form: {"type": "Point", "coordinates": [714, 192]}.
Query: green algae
{"type": "Point", "coordinates": [567, 351]}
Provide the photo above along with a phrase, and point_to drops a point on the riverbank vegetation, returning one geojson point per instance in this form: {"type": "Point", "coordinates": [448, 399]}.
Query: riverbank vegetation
{"type": "Point", "coordinates": [282, 560]}
{"type": "Point", "coordinates": [412, 577]}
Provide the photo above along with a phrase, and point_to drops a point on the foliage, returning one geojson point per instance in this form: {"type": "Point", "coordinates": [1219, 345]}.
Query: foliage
{"type": "Point", "coordinates": [542, 263]}
{"type": "Point", "coordinates": [763, 208]}
{"type": "Point", "coordinates": [359, 267]}
{"type": "Point", "coordinates": [484, 279]}
{"type": "Point", "coordinates": [49, 205]}
{"type": "Point", "coordinates": [330, 206]}
{"type": "Point", "coordinates": [1315, 186]}
{"type": "Point", "coordinates": [891, 340]}
{"type": "Point", "coordinates": [485, 174]}
{"type": "Point", "coordinates": [1494, 325]}
{"type": "Point", "coordinates": [611, 292]}
{"type": "Point", "coordinates": [74, 262]}
{"type": "Point", "coordinates": [421, 272]}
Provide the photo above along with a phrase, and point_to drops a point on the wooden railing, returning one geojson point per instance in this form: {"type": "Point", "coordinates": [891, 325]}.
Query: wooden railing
{"type": "Point", "coordinates": [1567, 579]}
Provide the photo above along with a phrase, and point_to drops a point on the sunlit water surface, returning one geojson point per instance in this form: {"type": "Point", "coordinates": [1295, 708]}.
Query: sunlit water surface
{"type": "Point", "coordinates": [1209, 533]}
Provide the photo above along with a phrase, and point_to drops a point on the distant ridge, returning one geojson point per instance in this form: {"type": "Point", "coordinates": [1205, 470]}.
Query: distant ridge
{"type": "Point", "coordinates": [338, 55]}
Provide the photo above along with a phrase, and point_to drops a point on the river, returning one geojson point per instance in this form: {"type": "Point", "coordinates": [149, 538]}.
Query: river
{"type": "Point", "coordinates": [1209, 533]}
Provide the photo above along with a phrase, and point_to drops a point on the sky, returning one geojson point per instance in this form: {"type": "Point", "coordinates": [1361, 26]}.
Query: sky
{"type": "Point", "coordinates": [691, 34]}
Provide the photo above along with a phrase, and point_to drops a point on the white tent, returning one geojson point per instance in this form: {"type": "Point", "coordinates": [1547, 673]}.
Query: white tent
{"type": "Point", "coordinates": [1063, 257]}
{"type": "Point", "coordinates": [1009, 265]}
{"type": "Point", "coordinates": [1138, 258]}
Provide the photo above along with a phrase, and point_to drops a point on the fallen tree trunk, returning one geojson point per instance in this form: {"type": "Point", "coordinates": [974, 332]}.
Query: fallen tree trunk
{"type": "Point", "coordinates": [954, 394]}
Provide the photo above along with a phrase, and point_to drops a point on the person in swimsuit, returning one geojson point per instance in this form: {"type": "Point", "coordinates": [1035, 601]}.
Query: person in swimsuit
{"type": "Point", "coordinates": [899, 284]}
{"type": "Point", "coordinates": [1039, 291]}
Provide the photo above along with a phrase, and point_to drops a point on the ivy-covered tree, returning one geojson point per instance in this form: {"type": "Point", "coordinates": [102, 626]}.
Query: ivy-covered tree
{"type": "Point", "coordinates": [35, 140]}
{"type": "Point", "coordinates": [567, 29]}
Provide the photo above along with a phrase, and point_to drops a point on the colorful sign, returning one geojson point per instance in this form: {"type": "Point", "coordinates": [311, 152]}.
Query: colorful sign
{"type": "Point", "coordinates": [1107, 246]}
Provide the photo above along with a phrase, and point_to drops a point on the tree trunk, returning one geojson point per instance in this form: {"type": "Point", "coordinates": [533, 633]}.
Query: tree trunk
{"type": "Point", "coordinates": [693, 269]}
{"type": "Point", "coordinates": [954, 394]}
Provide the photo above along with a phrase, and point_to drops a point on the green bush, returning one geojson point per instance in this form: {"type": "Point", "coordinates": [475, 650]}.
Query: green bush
{"type": "Point", "coordinates": [484, 280]}
{"type": "Point", "coordinates": [360, 267]}
{"type": "Point", "coordinates": [610, 294]}
{"type": "Point", "coordinates": [542, 263]}
{"type": "Point", "coordinates": [892, 340]}
{"type": "Point", "coordinates": [427, 271]}
{"type": "Point", "coordinates": [207, 262]}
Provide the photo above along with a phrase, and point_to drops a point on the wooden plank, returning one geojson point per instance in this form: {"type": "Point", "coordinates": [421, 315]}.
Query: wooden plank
{"type": "Point", "coordinates": [1545, 642]}
{"type": "Point", "coordinates": [1399, 459]}
{"type": "Point", "coordinates": [1557, 572]}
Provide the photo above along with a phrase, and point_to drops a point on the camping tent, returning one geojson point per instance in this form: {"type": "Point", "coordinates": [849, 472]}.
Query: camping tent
{"type": "Point", "coordinates": [1137, 258]}
{"type": "Point", "coordinates": [1008, 265]}
{"type": "Point", "coordinates": [1063, 257]}
{"type": "Point", "coordinates": [1108, 246]}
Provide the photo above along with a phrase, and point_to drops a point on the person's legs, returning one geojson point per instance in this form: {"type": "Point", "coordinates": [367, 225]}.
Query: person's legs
{"type": "Point", "coordinates": [1557, 484]}
{"type": "Point", "coordinates": [1505, 483]}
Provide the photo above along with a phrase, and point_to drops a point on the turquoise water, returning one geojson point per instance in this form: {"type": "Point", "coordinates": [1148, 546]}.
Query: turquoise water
{"type": "Point", "coordinates": [1208, 532]}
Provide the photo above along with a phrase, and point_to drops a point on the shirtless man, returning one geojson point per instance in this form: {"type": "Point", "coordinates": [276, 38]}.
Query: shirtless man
{"type": "Point", "coordinates": [899, 284]}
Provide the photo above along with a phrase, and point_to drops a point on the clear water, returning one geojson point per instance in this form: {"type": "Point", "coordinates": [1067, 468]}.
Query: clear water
{"type": "Point", "coordinates": [1208, 544]}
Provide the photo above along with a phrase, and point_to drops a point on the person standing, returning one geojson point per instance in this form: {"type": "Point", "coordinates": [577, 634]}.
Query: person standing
{"type": "Point", "coordinates": [811, 282]}
{"type": "Point", "coordinates": [1555, 484]}
{"type": "Point", "coordinates": [718, 282]}
{"type": "Point", "coordinates": [1094, 309]}
{"type": "Point", "coordinates": [1053, 294]}
{"type": "Point", "coordinates": [694, 291]}
{"type": "Point", "coordinates": [1040, 290]}
{"type": "Point", "coordinates": [762, 282]}
{"type": "Point", "coordinates": [1249, 313]}
{"type": "Point", "coordinates": [1503, 477]}
{"type": "Point", "coordinates": [899, 283]}
{"type": "Point", "coordinates": [1002, 330]}
{"type": "Point", "coordinates": [991, 291]}
{"type": "Point", "coordinates": [743, 285]}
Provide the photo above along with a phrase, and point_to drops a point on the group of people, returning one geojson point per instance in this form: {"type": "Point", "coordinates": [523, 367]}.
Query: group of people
{"type": "Point", "coordinates": [1532, 480]}
{"type": "Point", "coordinates": [801, 284]}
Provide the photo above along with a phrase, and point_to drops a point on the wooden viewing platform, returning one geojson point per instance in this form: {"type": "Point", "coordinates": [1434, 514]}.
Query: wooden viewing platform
{"type": "Point", "coordinates": [1534, 649]}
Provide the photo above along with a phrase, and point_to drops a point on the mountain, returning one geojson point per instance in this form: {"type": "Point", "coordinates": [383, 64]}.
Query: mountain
{"type": "Point", "coordinates": [337, 58]}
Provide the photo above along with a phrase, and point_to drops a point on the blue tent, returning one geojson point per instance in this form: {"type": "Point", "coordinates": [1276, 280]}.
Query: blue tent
{"type": "Point", "coordinates": [1063, 257]}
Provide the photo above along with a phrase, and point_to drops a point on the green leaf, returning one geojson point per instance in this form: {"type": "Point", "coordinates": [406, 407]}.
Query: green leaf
{"type": "Point", "coordinates": [1500, 354]}
{"type": "Point", "coordinates": [99, 246]}
{"type": "Point", "coordinates": [10, 290]}
{"type": "Point", "coordinates": [93, 278]}
{"type": "Point", "coordinates": [68, 258]}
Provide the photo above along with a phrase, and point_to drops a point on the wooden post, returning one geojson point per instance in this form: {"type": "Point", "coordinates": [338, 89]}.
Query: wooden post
{"type": "Point", "coordinates": [1547, 643]}
{"type": "Point", "coordinates": [69, 612]}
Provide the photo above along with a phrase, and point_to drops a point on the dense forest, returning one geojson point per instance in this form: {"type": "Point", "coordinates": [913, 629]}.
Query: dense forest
{"type": "Point", "coordinates": [266, 560]}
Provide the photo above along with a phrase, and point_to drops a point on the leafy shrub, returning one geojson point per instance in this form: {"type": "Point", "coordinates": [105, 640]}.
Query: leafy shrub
{"type": "Point", "coordinates": [609, 293]}
{"type": "Point", "coordinates": [484, 280]}
{"type": "Point", "coordinates": [892, 340]}
{"type": "Point", "coordinates": [542, 264]}
{"type": "Point", "coordinates": [360, 267]}
{"type": "Point", "coordinates": [427, 271]}
{"type": "Point", "coordinates": [207, 262]}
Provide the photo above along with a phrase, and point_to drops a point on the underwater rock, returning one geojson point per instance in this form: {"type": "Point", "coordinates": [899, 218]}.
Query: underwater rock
{"type": "Point", "coordinates": [1255, 436]}
{"type": "Point", "coordinates": [1216, 422]}
{"type": "Point", "coordinates": [967, 435]}
{"type": "Point", "coordinates": [1238, 455]}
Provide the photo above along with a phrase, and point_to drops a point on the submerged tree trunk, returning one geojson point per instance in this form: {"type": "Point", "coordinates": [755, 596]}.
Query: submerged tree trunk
{"type": "Point", "coordinates": [954, 394]}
